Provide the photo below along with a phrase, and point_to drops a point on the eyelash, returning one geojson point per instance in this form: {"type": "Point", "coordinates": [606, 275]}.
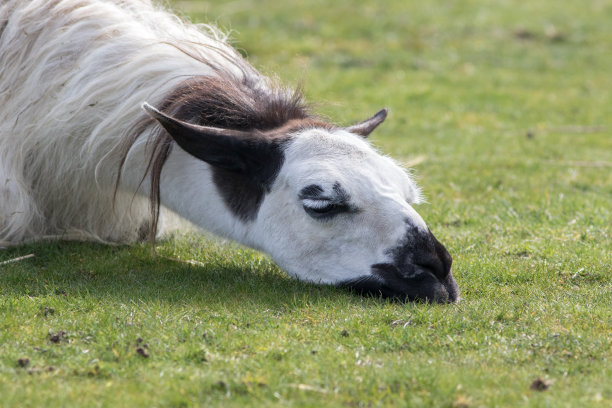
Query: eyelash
{"type": "Point", "coordinates": [327, 211]}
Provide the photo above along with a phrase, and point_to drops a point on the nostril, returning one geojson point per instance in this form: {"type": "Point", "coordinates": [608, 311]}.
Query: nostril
{"type": "Point", "coordinates": [435, 266]}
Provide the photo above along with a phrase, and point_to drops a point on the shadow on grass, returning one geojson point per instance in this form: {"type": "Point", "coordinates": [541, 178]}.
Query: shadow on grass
{"type": "Point", "coordinates": [134, 273]}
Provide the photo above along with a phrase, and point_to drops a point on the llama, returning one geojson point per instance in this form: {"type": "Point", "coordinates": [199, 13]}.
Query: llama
{"type": "Point", "coordinates": [116, 113]}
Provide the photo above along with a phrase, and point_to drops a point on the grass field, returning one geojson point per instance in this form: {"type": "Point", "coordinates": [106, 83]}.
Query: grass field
{"type": "Point", "coordinates": [504, 111]}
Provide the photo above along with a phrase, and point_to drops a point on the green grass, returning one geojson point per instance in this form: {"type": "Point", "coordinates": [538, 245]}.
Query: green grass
{"type": "Point", "coordinates": [503, 109]}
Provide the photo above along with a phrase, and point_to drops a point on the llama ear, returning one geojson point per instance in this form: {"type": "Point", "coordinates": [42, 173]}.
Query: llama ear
{"type": "Point", "coordinates": [367, 126]}
{"type": "Point", "coordinates": [224, 148]}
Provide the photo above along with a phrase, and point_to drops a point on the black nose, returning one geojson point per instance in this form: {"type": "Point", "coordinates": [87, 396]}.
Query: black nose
{"type": "Point", "coordinates": [430, 254]}
{"type": "Point", "coordinates": [424, 258]}
{"type": "Point", "coordinates": [420, 270]}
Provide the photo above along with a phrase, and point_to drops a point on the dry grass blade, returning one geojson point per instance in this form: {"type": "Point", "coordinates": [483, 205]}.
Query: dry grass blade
{"type": "Point", "coordinates": [21, 258]}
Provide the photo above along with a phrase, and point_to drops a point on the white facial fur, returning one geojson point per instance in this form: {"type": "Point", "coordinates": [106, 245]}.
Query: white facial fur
{"type": "Point", "coordinates": [345, 246]}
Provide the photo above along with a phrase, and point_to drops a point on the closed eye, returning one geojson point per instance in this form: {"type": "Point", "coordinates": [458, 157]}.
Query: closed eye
{"type": "Point", "coordinates": [324, 209]}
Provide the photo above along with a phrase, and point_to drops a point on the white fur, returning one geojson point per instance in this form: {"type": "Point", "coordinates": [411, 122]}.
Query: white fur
{"type": "Point", "coordinates": [73, 75]}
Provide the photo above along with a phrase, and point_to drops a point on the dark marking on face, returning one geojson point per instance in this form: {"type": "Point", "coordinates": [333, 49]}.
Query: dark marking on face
{"type": "Point", "coordinates": [243, 192]}
{"type": "Point", "coordinates": [420, 270]}
{"type": "Point", "coordinates": [341, 194]}
{"type": "Point", "coordinates": [329, 205]}
{"type": "Point", "coordinates": [315, 192]}
{"type": "Point", "coordinates": [422, 249]}
{"type": "Point", "coordinates": [312, 191]}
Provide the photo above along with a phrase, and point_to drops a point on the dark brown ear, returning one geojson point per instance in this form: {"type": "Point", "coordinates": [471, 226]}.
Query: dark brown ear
{"type": "Point", "coordinates": [231, 150]}
{"type": "Point", "coordinates": [367, 126]}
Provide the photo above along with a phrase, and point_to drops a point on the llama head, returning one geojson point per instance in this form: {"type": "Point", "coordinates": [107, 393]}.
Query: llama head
{"type": "Point", "coordinates": [325, 205]}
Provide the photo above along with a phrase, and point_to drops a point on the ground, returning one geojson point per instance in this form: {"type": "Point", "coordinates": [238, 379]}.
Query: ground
{"type": "Point", "coordinates": [503, 110]}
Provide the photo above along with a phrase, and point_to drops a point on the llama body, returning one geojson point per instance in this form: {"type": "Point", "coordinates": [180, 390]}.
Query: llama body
{"type": "Point", "coordinates": [240, 156]}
